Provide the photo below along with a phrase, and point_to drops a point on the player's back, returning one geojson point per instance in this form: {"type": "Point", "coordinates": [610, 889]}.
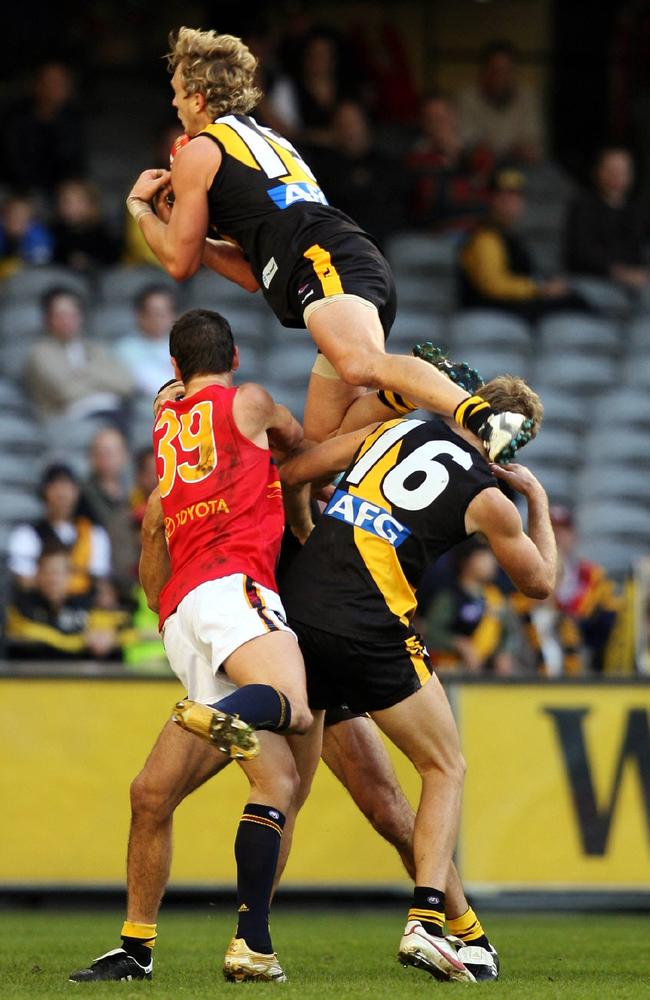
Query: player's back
{"type": "Point", "coordinates": [265, 198]}
{"type": "Point", "coordinates": [399, 506]}
{"type": "Point", "coordinates": [220, 495]}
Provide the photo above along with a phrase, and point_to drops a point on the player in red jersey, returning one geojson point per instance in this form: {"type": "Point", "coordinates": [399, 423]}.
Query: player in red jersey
{"type": "Point", "coordinates": [225, 636]}
{"type": "Point", "coordinates": [277, 232]}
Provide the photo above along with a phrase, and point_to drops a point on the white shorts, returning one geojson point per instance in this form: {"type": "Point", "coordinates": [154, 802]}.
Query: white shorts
{"type": "Point", "coordinates": [210, 623]}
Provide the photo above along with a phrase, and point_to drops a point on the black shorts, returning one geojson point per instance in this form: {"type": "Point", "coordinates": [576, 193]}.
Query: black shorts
{"type": "Point", "coordinates": [341, 714]}
{"type": "Point", "coordinates": [364, 676]}
{"type": "Point", "coordinates": [345, 263]}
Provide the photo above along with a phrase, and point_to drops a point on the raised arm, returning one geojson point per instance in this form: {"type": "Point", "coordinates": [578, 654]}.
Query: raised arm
{"type": "Point", "coordinates": [228, 260]}
{"type": "Point", "coordinates": [180, 244]}
{"type": "Point", "coordinates": [318, 464]}
{"type": "Point", "coordinates": [530, 560]}
{"type": "Point", "coordinates": [155, 567]}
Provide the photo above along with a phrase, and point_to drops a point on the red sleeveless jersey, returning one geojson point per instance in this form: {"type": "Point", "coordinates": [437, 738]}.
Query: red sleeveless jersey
{"type": "Point", "coordinates": [220, 494]}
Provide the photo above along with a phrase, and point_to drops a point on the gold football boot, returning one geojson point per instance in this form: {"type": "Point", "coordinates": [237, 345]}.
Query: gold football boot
{"type": "Point", "coordinates": [227, 733]}
{"type": "Point", "coordinates": [242, 965]}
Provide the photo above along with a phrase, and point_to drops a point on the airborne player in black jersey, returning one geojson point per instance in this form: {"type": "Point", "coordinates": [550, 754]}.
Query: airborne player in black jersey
{"type": "Point", "coordinates": [412, 490]}
{"type": "Point", "coordinates": [277, 232]}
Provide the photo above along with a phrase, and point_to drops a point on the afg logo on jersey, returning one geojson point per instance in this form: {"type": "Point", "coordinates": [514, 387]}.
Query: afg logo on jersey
{"type": "Point", "coordinates": [285, 195]}
{"type": "Point", "coordinates": [361, 513]}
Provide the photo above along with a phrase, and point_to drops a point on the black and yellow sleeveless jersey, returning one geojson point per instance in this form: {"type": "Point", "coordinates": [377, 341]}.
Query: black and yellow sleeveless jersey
{"type": "Point", "coordinates": [265, 199]}
{"type": "Point", "coordinates": [398, 507]}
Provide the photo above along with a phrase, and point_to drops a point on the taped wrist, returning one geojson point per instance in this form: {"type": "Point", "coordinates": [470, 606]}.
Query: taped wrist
{"type": "Point", "coordinates": [137, 208]}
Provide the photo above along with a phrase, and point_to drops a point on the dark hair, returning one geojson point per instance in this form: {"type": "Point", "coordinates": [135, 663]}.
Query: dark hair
{"type": "Point", "coordinates": [56, 471]}
{"type": "Point", "coordinates": [201, 342]}
{"type": "Point", "coordinates": [140, 299]}
{"type": "Point", "coordinates": [57, 291]}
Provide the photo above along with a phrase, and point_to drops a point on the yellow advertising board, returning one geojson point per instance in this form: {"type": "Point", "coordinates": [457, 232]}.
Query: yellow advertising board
{"type": "Point", "coordinates": [557, 794]}
{"type": "Point", "coordinates": [69, 750]}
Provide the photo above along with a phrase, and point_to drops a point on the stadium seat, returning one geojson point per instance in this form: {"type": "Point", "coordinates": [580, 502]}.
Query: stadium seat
{"type": "Point", "coordinates": [414, 327]}
{"type": "Point", "coordinates": [638, 334]}
{"type": "Point", "coordinates": [411, 253]}
{"type": "Point", "coordinates": [15, 470]}
{"type": "Point", "coordinates": [613, 519]}
{"type": "Point", "coordinates": [559, 482]}
{"type": "Point", "coordinates": [32, 282]}
{"type": "Point", "coordinates": [604, 296]}
{"type": "Point", "coordinates": [207, 290]}
{"type": "Point", "coordinates": [18, 505]}
{"type": "Point", "coordinates": [490, 362]}
{"type": "Point", "coordinates": [434, 292]}
{"type": "Point", "coordinates": [20, 433]}
{"type": "Point", "coordinates": [122, 284]}
{"type": "Point", "coordinates": [21, 319]}
{"type": "Point", "coordinates": [623, 409]}
{"type": "Point", "coordinates": [623, 483]}
{"type": "Point", "coordinates": [554, 446]}
{"type": "Point", "coordinates": [608, 445]}
{"type": "Point", "coordinates": [12, 397]}
{"type": "Point", "coordinates": [488, 328]}
{"type": "Point", "coordinates": [577, 332]}
{"type": "Point", "coordinates": [111, 320]}
{"type": "Point", "coordinates": [561, 409]}
{"type": "Point", "coordinates": [291, 396]}
{"type": "Point", "coordinates": [546, 253]}
{"type": "Point", "coordinates": [576, 373]}
{"type": "Point", "coordinates": [290, 365]}
{"type": "Point", "coordinates": [636, 370]}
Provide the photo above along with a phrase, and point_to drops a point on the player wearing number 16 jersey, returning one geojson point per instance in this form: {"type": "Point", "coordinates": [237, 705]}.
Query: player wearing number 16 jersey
{"type": "Point", "coordinates": [413, 489]}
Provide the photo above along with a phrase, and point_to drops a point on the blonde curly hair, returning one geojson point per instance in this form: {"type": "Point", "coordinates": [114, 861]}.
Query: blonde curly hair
{"type": "Point", "coordinates": [220, 67]}
{"type": "Point", "coordinates": [509, 392]}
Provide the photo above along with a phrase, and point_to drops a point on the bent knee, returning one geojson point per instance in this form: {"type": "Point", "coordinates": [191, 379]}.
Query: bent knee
{"type": "Point", "coordinates": [151, 798]}
{"type": "Point", "coordinates": [357, 369]}
{"type": "Point", "coordinates": [301, 718]}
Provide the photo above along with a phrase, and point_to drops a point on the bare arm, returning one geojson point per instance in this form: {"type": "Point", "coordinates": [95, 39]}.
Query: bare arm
{"type": "Point", "coordinates": [228, 260]}
{"type": "Point", "coordinates": [530, 560]}
{"type": "Point", "coordinates": [319, 464]}
{"type": "Point", "coordinates": [155, 567]}
{"type": "Point", "coordinates": [180, 245]}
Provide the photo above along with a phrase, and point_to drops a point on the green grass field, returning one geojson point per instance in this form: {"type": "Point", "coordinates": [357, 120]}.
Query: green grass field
{"type": "Point", "coordinates": [328, 954]}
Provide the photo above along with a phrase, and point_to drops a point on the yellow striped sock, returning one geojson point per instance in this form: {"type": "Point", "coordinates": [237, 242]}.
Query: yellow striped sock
{"type": "Point", "coordinates": [467, 927]}
{"type": "Point", "coordinates": [428, 916]}
{"type": "Point", "coordinates": [144, 933]}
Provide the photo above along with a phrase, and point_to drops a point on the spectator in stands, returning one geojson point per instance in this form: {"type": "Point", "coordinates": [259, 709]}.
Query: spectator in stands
{"type": "Point", "coordinates": [583, 591]}
{"type": "Point", "coordinates": [361, 181]}
{"type": "Point", "coordinates": [447, 183]}
{"type": "Point", "coordinates": [24, 239]}
{"type": "Point", "coordinates": [87, 544]}
{"type": "Point", "coordinates": [469, 624]}
{"type": "Point", "coordinates": [50, 621]}
{"type": "Point", "coordinates": [499, 111]}
{"type": "Point", "coordinates": [82, 240]}
{"type": "Point", "coordinates": [322, 83]}
{"type": "Point", "coordinates": [495, 268]}
{"type": "Point", "coordinates": [278, 108]}
{"type": "Point", "coordinates": [145, 353]}
{"type": "Point", "coordinates": [106, 497]}
{"type": "Point", "coordinates": [42, 138]}
{"type": "Point", "coordinates": [68, 375]}
{"type": "Point", "coordinates": [146, 480]}
{"type": "Point", "coordinates": [605, 227]}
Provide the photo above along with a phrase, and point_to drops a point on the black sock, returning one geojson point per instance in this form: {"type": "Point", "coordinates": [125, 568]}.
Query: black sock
{"type": "Point", "coordinates": [257, 846]}
{"type": "Point", "coordinates": [428, 907]}
{"type": "Point", "coordinates": [472, 413]}
{"type": "Point", "coordinates": [137, 950]}
{"type": "Point", "coordinates": [259, 705]}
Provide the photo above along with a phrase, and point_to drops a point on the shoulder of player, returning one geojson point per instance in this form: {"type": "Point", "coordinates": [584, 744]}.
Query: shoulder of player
{"type": "Point", "coordinates": [201, 154]}
{"type": "Point", "coordinates": [490, 511]}
{"type": "Point", "coordinates": [253, 397]}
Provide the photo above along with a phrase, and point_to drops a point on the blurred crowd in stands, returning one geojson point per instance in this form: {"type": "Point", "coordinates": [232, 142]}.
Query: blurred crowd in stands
{"type": "Point", "coordinates": [470, 172]}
